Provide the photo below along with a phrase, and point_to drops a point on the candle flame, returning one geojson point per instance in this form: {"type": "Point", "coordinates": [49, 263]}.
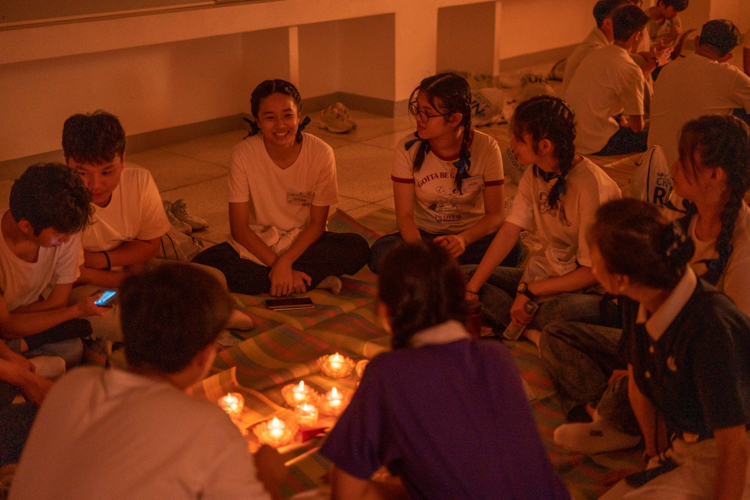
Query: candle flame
{"type": "Point", "coordinates": [336, 358]}
{"type": "Point", "coordinates": [275, 423]}
{"type": "Point", "coordinates": [334, 393]}
{"type": "Point", "coordinates": [301, 385]}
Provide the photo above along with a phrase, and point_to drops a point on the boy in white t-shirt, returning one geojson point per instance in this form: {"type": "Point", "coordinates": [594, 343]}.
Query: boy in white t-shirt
{"type": "Point", "coordinates": [664, 25]}
{"type": "Point", "coordinates": [49, 205]}
{"type": "Point", "coordinates": [609, 83]}
{"type": "Point", "coordinates": [697, 85]}
{"type": "Point", "coordinates": [129, 218]}
{"type": "Point", "coordinates": [134, 433]}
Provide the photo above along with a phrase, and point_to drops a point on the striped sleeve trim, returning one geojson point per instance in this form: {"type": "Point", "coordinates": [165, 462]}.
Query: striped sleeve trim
{"type": "Point", "coordinates": [403, 181]}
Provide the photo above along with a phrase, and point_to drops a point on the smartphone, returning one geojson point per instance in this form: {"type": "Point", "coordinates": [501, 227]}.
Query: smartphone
{"type": "Point", "coordinates": [289, 304]}
{"type": "Point", "coordinates": [107, 299]}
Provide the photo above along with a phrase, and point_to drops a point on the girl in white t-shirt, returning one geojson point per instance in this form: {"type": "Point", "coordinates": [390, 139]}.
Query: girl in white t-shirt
{"type": "Point", "coordinates": [556, 199]}
{"type": "Point", "coordinates": [447, 177]}
{"type": "Point", "coordinates": [281, 185]}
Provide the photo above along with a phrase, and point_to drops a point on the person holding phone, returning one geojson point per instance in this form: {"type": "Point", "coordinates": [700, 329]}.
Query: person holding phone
{"type": "Point", "coordinates": [282, 182]}
{"type": "Point", "coordinates": [39, 247]}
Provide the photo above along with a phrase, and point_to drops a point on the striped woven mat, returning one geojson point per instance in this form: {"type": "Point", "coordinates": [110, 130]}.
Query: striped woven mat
{"type": "Point", "coordinates": [284, 345]}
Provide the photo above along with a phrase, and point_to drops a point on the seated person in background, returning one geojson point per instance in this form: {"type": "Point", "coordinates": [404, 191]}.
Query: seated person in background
{"type": "Point", "coordinates": [664, 25]}
{"type": "Point", "coordinates": [134, 433]}
{"type": "Point", "coordinates": [746, 53]}
{"type": "Point", "coordinates": [556, 200]}
{"type": "Point", "coordinates": [601, 36]}
{"type": "Point", "coordinates": [128, 218]}
{"type": "Point", "coordinates": [696, 85]}
{"type": "Point", "coordinates": [448, 181]}
{"type": "Point", "coordinates": [281, 184]}
{"type": "Point", "coordinates": [688, 355]}
{"type": "Point", "coordinates": [713, 175]}
{"type": "Point", "coordinates": [472, 434]}
{"type": "Point", "coordinates": [17, 377]}
{"type": "Point", "coordinates": [609, 83]}
{"type": "Point", "coordinates": [39, 249]}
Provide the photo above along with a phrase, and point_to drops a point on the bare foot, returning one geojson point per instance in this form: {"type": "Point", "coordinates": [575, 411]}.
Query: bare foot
{"type": "Point", "coordinates": [332, 283]}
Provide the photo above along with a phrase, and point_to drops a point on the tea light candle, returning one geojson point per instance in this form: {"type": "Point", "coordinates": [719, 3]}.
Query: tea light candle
{"type": "Point", "coordinates": [233, 403]}
{"type": "Point", "coordinates": [335, 402]}
{"type": "Point", "coordinates": [360, 367]}
{"type": "Point", "coordinates": [275, 432]}
{"type": "Point", "coordinates": [336, 365]}
{"type": "Point", "coordinates": [307, 414]}
{"type": "Point", "coordinates": [295, 394]}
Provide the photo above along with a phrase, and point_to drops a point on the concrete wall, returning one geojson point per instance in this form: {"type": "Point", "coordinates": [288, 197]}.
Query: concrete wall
{"type": "Point", "coordinates": [466, 35]}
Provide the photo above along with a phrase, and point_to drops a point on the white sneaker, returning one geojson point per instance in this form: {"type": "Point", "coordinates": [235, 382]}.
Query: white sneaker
{"type": "Point", "coordinates": [595, 437]}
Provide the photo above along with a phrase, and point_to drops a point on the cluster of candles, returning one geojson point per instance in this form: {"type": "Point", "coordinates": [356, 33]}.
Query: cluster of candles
{"type": "Point", "coordinates": [305, 401]}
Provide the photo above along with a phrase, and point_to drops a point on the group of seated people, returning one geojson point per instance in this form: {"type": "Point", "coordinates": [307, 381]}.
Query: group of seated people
{"type": "Point", "coordinates": [639, 312]}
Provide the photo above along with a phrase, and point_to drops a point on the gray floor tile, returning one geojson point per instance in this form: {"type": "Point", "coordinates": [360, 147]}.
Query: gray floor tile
{"type": "Point", "coordinates": [213, 149]}
{"type": "Point", "coordinates": [172, 171]}
{"type": "Point", "coordinates": [364, 172]}
{"type": "Point", "coordinates": [207, 200]}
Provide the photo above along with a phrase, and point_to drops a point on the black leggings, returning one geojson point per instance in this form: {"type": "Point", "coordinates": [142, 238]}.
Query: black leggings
{"type": "Point", "coordinates": [333, 254]}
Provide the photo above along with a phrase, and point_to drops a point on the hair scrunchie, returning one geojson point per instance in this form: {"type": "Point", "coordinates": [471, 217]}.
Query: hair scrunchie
{"type": "Point", "coordinates": [462, 164]}
{"type": "Point", "coordinates": [561, 185]}
{"type": "Point", "coordinates": [412, 142]}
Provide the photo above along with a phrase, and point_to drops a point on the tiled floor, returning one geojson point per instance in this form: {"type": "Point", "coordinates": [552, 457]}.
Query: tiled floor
{"type": "Point", "coordinates": [197, 170]}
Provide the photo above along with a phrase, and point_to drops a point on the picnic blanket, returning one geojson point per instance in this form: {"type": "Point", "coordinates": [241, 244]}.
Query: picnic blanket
{"type": "Point", "coordinates": [284, 345]}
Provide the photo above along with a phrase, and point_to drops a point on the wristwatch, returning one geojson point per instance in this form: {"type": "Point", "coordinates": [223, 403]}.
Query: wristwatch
{"type": "Point", "coordinates": [524, 289]}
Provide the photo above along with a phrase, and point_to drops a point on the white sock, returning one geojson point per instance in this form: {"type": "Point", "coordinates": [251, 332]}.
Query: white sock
{"type": "Point", "coordinates": [592, 438]}
{"type": "Point", "coordinates": [239, 321]}
{"type": "Point", "coordinates": [332, 283]}
{"type": "Point", "coordinates": [49, 367]}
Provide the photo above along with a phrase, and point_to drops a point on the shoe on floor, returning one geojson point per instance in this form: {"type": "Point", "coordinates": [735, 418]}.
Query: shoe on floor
{"type": "Point", "coordinates": [176, 223]}
{"type": "Point", "coordinates": [179, 210]}
{"type": "Point", "coordinates": [595, 437]}
{"type": "Point", "coordinates": [335, 118]}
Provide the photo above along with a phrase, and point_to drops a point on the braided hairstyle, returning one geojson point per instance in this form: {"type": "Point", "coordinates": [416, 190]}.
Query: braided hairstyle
{"type": "Point", "coordinates": [267, 88]}
{"type": "Point", "coordinates": [723, 142]}
{"type": "Point", "coordinates": [449, 93]}
{"type": "Point", "coordinates": [634, 241]}
{"type": "Point", "coordinates": [422, 286]}
{"type": "Point", "coordinates": [547, 117]}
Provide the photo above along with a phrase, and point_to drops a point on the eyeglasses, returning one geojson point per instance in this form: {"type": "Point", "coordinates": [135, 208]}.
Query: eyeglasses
{"type": "Point", "coordinates": [421, 115]}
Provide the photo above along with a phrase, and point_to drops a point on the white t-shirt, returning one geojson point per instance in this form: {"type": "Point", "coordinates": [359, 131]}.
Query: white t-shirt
{"type": "Point", "coordinates": [280, 199]}
{"type": "Point", "coordinates": [595, 40]}
{"type": "Point", "coordinates": [135, 212]}
{"type": "Point", "coordinates": [691, 87]}
{"type": "Point", "coordinates": [439, 207]}
{"type": "Point", "coordinates": [735, 279]}
{"type": "Point", "coordinates": [658, 32]}
{"type": "Point", "coordinates": [562, 231]}
{"type": "Point", "coordinates": [116, 435]}
{"type": "Point", "coordinates": [607, 82]}
{"type": "Point", "coordinates": [22, 283]}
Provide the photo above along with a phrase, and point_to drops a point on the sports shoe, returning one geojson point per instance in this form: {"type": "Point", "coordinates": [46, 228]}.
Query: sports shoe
{"type": "Point", "coordinates": [176, 223]}
{"type": "Point", "coordinates": [179, 210]}
{"type": "Point", "coordinates": [335, 118]}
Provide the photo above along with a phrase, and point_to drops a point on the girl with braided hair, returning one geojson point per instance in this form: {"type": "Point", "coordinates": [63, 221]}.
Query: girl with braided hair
{"type": "Point", "coordinates": [687, 349]}
{"type": "Point", "coordinates": [556, 199]}
{"type": "Point", "coordinates": [447, 177]}
{"type": "Point", "coordinates": [713, 175]}
{"type": "Point", "coordinates": [281, 184]}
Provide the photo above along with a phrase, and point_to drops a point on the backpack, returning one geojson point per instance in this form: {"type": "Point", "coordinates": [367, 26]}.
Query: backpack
{"type": "Point", "coordinates": [652, 180]}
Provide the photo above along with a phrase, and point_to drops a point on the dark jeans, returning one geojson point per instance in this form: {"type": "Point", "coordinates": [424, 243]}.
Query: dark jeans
{"type": "Point", "coordinates": [580, 358]}
{"type": "Point", "coordinates": [499, 292]}
{"type": "Point", "coordinates": [472, 254]}
{"type": "Point", "coordinates": [15, 424]}
{"type": "Point", "coordinates": [333, 254]}
{"type": "Point", "coordinates": [63, 340]}
{"type": "Point", "coordinates": [625, 141]}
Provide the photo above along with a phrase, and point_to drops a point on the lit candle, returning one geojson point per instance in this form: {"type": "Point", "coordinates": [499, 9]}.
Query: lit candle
{"type": "Point", "coordinates": [295, 394]}
{"type": "Point", "coordinates": [335, 402]}
{"type": "Point", "coordinates": [336, 365]}
{"type": "Point", "coordinates": [232, 403]}
{"type": "Point", "coordinates": [307, 414]}
{"type": "Point", "coordinates": [275, 432]}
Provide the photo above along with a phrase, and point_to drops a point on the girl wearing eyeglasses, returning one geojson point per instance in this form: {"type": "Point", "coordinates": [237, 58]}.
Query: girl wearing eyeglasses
{"type": "Point", "coordinates": [447, 177]}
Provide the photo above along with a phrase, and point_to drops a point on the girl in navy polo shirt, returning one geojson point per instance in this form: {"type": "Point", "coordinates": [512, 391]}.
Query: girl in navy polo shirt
{"type": "Point", "coordinates": [688, 352]}
{"type": "Point", "coordinates": [445, 413]}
